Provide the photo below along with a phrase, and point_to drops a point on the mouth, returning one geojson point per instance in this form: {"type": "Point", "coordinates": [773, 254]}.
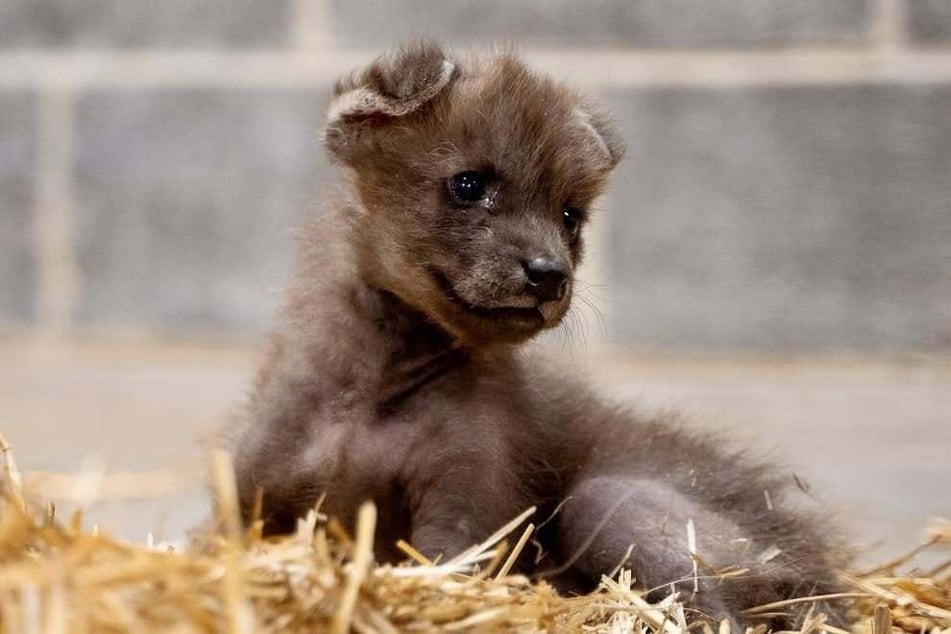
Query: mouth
{"type": "Point", "coordinates": [528, 316]}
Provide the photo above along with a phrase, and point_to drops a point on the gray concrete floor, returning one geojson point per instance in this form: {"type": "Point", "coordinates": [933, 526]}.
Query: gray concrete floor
{"type": "Point", "coordinates": [872, 438]}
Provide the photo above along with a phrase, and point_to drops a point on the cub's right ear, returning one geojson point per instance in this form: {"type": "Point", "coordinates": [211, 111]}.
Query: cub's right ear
{"type": "Point", "coordinates": [394, 86]}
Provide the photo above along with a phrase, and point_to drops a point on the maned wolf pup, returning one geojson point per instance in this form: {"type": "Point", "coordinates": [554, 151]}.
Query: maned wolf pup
{"type": "Point", "coordinates": [396, 373]}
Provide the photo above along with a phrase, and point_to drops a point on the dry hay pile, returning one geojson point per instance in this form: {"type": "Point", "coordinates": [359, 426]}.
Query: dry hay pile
{"type": "Point", "coordinates": [57, 577]}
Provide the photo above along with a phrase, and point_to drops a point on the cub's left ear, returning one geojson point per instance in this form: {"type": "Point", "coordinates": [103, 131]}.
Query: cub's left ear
{"type": "Point", "coordinates": [604, 138]}
{"type": "Point", "coordinates": [393, 86]}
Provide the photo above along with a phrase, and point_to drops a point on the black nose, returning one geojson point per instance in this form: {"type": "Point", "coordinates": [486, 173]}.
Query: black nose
{"type": "Point", "coordinates": [546, 279]}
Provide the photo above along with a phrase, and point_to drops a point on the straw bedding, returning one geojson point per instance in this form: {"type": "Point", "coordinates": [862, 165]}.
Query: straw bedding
{"type": "Point", "coordinates": [57, 576]}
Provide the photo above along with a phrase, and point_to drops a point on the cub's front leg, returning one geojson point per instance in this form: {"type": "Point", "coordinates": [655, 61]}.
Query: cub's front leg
{"type": "Point", "coordinates": [457, 497]}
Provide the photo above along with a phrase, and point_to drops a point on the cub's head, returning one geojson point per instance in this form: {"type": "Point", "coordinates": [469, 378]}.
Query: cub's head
{"type": "Point", "coordinates": [475, 178]}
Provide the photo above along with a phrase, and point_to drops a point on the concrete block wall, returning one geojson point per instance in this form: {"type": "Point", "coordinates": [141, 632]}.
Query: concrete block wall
{"type": "Point", "coordinates": [787, 185]}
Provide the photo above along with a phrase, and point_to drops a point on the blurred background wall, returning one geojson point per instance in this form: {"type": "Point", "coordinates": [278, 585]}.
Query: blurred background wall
{"type": "Point", "coordinates": [787, 185]}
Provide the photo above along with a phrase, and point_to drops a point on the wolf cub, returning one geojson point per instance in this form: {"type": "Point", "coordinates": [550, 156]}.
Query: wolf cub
{"type": "Point", "coordinates": [397, 372]}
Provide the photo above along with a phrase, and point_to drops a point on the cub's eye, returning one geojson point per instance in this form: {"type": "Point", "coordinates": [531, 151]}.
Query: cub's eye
{"type": "Point", "coordinates": [467, 187]}
{"type": "Point", "coordinates": [571, 217]}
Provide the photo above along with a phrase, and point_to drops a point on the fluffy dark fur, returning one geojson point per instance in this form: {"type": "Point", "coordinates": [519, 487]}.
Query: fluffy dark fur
{"type": "Point", "coordinates": [396, 374]}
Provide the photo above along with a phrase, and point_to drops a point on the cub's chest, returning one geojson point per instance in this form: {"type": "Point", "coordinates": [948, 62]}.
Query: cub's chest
{"type": "Point", "coordinates": [458, 397]}
{"type": "Point", "coordinates": [458, 410]}
{"type": "Point", "coordinates": [393, 427]}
